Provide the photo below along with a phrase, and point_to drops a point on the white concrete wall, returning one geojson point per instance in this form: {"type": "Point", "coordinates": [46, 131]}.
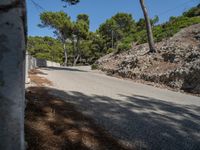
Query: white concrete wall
{"type": "Point", "coordinates": [12, 74]}
{"type": "Point", "coordinates": [32, 63]}
{"type": "Point", "coordinates": [52, 64]}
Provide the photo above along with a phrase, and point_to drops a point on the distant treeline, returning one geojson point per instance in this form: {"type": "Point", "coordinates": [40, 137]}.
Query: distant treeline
{"type": "Point", "coordinates": [114, 35]}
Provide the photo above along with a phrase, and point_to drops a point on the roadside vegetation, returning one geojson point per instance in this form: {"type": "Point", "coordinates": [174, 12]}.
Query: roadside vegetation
{"type": "Point", "coordinates": [75, 44]}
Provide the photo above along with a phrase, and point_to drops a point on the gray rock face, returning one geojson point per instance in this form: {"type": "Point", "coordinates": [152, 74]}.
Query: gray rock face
{"type": "Point", "coordinates": [177, 63]}
{"type": "Point", "coordinates": [191, 77]}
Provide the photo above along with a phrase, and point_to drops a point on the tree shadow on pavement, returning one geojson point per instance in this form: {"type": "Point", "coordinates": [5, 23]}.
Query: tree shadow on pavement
{"type": "Point", "coordinates": [141, 122]}
{"type": "Point", "coordinates": [53, 124]}
{"type": "Point", "coordinates": [63, 68]}
{"type": "Point", "coordinates": [145, 122]}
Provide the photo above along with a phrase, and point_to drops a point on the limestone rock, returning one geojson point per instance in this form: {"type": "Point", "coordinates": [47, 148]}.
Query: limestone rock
{"type": "Point", "coordinates": [177, 63]}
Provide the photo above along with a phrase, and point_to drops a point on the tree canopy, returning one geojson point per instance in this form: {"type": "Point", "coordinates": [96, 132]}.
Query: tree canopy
{"type": "Point", "coordinates": [62, 24]}
{"type": "Point", "coordinates": [59, 21]}
{"type": "Point", "coordinates": [72, 2]}
{"type": "Point", "coordinates": [85, 47]}
{"type": "Point", "coordinates": [45, 48]}
{"type": "Point", "coordinates": [116, 28]}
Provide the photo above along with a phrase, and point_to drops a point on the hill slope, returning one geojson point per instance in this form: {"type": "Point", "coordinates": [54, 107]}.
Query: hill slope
{"type": "Point", "coordinates": [176, 65]}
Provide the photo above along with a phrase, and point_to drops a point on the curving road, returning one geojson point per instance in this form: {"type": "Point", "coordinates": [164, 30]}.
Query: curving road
{"type": "Point", "coordinates": [138, 115]}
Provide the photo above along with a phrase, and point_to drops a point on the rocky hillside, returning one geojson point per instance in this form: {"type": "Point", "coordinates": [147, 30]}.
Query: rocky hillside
{"type": "Point", "coordinates": [176, 65]}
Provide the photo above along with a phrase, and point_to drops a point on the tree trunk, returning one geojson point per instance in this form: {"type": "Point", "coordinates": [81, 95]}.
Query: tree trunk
{"type": "Point", "coordinates": [65, 53]}
{"type": "Point", "coordinates": [152, 48]}
{"type": "Point", "coordinates": [112, 39]}
{"type": "Point", "coordinates": [74, 50]}
{"type": "Point", "coordinates": [77, 55]}
{"type": "Point", "coordinates": [12, 73]}
{"type": "Point", "coordinates": [76, 59]}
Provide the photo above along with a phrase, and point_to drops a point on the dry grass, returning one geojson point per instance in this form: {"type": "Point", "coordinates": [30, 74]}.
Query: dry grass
{"type": "Point", "coordinates": [38, 80]}
{"type": "Point", "coordinates": [52, 124]}
{"type": "Point", "coordinates": [35, 72]}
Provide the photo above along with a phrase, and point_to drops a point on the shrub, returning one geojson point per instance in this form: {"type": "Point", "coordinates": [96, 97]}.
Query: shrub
{"type": "Point", "coordinates": [110, 50]}
{"type": "Point", "coordinates": [123, 47]}
{"type": "Point", "coordinates": [94, 67]}
{"type": "Point", "coordinates": [195, 11]}
{"type": "Point", "coordinates": [166, 30]}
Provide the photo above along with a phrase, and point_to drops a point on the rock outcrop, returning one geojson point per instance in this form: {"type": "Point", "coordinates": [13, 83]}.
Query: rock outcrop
{"type": "Point", "coordinates": [176, 65]}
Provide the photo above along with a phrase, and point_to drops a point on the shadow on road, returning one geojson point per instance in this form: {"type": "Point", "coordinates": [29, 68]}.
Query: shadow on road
{"type": "Point", "coordinates": [36, 72]}
{"type": "Point", "coordinates": [63, 68]}
{"type": "Point", "coordinates": [143, 121]}
{"type": "Point", "coordinates": [53, 124]}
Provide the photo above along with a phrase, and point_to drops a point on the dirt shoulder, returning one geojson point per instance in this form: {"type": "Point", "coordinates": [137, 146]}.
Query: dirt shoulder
{"type": "Point", "coordinates": [38, 80]}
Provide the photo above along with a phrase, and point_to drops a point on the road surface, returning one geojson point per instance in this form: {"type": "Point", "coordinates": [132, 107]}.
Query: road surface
{"type": "Point", "coordinates": [137, 115]}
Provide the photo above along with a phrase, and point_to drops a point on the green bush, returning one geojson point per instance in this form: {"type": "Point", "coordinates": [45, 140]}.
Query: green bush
{"type": "Point", "coordinates": [166, 30]}
{"type": "Point", "coordinates": [195, 11]}
{"type": "Point", "coordinates": [172, 27]}
{"type": "Point", "coordinates": [110, 50]}
{"type": "Point", "coordinates": [160, 32]}
{"type": "Point", "coordinates": [123, 47]}
{"type": "Point", "coordinates": [94, 67]}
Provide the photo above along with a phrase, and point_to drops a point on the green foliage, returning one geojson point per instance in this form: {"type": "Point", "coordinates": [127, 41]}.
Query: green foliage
{"type": "Point", "coordinates": [124, 22]}
{"type": "Point", "coordinates": [67, 31]}
{"type": "Point", "coordinates": [141, 25]}
{"type": "Point", "coordinates": [110, 50]}
{"type": "Point", "coordinates": [81, 26]}
{"type": "Point", "coordinates": [163, 31]}
{"type": "Point", "coordinates": [123, 46]}
{"type": "Point", "coordinates": [94, 67]}
{"type": "Point", "coordinates": [122, 30]}
{"type": "Point", "coordinates": [72, 2]}
{"type": "Point", "coordinates": [83, 17]}
{"type": "Point", "coordinates": [193, 12]}
{"type": "Point", "coordinates": [116, 28]}
{"type": "Point", "coordinates": [79, 36]}
{"type": "Point", "coordinates": [91, 49]}
{"type": "Point", "coordinates": [154, 20]}
{"type": "Point", "coordinates": [45, 48]}
{"type": "Point", "coordinates": [172, 27]}
{"type": "Point", "coordinates": [115, 35]}
{"type": "Point", "coordinates": [97, 45]}
{"type": "Point", "coordinates": [59, 21]}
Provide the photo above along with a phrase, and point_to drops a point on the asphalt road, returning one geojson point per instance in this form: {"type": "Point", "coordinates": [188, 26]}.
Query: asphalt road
{"type": "Point", "coordinates": [137, 115]}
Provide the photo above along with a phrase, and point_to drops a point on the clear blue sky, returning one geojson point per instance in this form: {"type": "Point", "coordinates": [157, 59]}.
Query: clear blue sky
{"type": "Point", "coordinates": [100, 10]}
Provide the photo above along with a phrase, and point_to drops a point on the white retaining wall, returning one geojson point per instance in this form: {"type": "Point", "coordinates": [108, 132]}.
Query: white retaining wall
{"type": "Point", "coordinates": [32, 63]}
